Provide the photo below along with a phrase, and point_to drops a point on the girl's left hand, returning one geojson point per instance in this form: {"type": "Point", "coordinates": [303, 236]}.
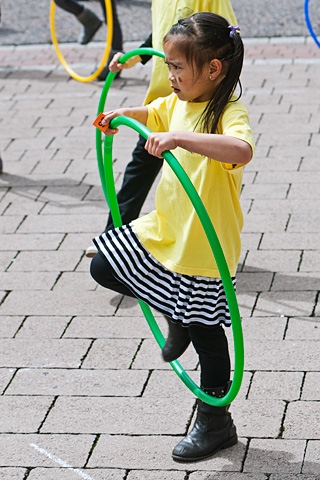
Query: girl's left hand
{"type": "Point", "coordinates": [157, 143]}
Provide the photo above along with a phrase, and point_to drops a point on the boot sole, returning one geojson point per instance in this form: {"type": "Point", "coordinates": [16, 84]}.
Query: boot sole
{"type": "Point", "coordinates": [230, 443]}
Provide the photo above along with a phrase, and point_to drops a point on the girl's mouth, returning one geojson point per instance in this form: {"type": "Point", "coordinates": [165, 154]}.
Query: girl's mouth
{"type": "Point", "coordinates": [176, 90]}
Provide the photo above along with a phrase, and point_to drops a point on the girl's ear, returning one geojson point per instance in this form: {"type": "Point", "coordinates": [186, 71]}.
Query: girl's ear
{"type": "Point", "coordinates": [215, 69]}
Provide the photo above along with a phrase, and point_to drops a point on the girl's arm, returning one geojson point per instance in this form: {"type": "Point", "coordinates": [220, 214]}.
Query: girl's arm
{"type": "Point", "coordinates": [222, 148]}
{"type": "Point", "coordinates": [138, 113]}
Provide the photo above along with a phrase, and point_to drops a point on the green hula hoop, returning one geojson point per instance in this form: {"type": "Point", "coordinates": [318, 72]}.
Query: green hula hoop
{"type": "Point", "coordinates": [108, 186]}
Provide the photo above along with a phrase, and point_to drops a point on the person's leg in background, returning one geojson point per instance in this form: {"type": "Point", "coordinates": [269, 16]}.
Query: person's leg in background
{"type": "Point", "coordinates": [139, 175]}
{"type": "Point", "coordinates": [88, 19]}
{"type": "Point", "coordinates": [117, 38]}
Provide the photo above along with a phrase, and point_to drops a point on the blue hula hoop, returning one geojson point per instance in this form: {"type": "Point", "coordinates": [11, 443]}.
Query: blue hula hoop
{"type": "Point", "coordinates": [309, 24]}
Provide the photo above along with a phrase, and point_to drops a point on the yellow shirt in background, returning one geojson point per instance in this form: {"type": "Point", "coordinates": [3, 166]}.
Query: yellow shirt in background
{"type": "Point", "coordinates": [166, 13]}
{"type": "Point", "coordinates": [173, 233]}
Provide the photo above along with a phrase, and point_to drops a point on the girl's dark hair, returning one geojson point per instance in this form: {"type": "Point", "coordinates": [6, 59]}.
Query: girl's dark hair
{"type": "Point", "coordinates": [203, 37]}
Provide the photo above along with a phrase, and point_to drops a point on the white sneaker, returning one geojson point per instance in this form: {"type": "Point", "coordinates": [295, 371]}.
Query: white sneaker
{"type": "Point", "coordinates": [91, 251]}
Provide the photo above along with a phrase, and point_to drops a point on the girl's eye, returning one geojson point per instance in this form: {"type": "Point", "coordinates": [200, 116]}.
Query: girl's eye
{"type": "Point", "coordinates": [174, 67]}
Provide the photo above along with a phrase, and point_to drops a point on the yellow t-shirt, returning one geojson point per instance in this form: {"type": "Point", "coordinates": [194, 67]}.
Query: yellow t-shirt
{"type": "Point", "coordinates": [173, 233]}
{"type": "Point", "coordinates": [164, 15]}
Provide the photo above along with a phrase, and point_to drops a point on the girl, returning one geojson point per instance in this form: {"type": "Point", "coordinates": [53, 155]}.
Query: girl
{"type": "Point", "coordinates": [164, 257]}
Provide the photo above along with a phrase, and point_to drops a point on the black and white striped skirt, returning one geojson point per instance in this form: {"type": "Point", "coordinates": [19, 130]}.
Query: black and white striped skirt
{"type": "Point", "coordinates": [184, 298]}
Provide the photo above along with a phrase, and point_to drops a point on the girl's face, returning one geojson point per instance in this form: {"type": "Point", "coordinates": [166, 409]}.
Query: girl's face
{"type": "Point", "coordinates": [187, 83]}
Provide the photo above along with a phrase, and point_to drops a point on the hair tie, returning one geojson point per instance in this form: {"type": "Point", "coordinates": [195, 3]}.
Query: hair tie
{"type": "Point", "coordinates": [233, 30]}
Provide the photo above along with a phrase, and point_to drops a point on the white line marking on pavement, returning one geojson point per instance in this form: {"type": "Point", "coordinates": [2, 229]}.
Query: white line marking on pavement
{"type": "Point", "coordinates": [62, 463]}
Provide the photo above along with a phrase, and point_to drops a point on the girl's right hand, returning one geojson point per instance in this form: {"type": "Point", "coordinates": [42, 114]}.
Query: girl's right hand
{"type": "Point", "coordinates": [105, 121]}
{"type": "Point", "coordinates": [115, 66]}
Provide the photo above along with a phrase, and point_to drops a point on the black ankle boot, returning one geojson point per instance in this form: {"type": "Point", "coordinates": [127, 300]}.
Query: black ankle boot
{"type": "Point", "coordinates": [177, 342]}
{"type": "Point", "coordinates": [213, 430]}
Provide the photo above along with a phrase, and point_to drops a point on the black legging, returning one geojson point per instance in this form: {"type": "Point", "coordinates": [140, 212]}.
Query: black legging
{"type": "Point", "coordinates": [72, 6]}
{"type": "Point", "coordinates": [210, 343]}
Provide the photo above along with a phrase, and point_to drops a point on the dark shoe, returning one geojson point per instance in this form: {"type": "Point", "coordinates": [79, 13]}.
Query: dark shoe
{"type": "Point", "coordinates": [213, 430]}
{"type": "Point", "coordinates": [91, 24]}
{"type": "Point", "coordinates": [177, 342]}
{"type": "Point", "coordinates": [1, 165]}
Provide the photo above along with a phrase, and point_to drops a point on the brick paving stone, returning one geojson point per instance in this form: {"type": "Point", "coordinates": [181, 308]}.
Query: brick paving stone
{"type": "Point", "coordinates": [264, 329]}
{"type": "Point", "coordinates": [276, 385]}
{"type": "Point", "coordinates": [45, 261]}
{"type": "Point", "coordinates": [285, 355]}
{"type": "Point", "coordinates": [269, 260]}
{"type": "Point", "coordinates": [58, 303]}
{"type": "Point", "coordinates": [47, 353]}
{"type": "Point", "coordinates": [23, 414]}
{"type": "Point", "coordinates": [13, 473]}
{"type": "Point", "coordinates": [32, 449]}
{"type": "Point", "coordinates": [254, 281]}
{"type": "Point", "coordinates": [275, 456]}
{"type": "Point", "coordinates": [291, 241]}
{"type": "Point", "coordinates": [294, 477]}
{"type": "Point", "coordinates": [304, 327]}
{"type": "Point", "coordinates": [266, 223]}
{"type": "Point", "coordinates": [111, 383]}
{"type": "Point", "coordinates": [77, 280]}
{"type": "Point", "coordinates": [296, 281]}
{"type": "Point", "coordinates": [74, 474]}
{"type": "Point", "coordinates": [286, 303]}
{"type": "Point", "coordinates": [115, 415]}
{"type": "Point", "coordinates": [43, 327]}
{"type": "Point", "coordinates": [34, 241]}
{"type": "Point", "coordinates": [108, 327]}
{"type": "Point", "coordinates": [227, 476]}
{"type": "Point", "coordinates": [112, 353]}
{"type": "Point", "coordinates": [150, 475]}
{"type": "Point", "coordinates": [302, 420]}
{"type": "Point", "coordinates": [266, 425]}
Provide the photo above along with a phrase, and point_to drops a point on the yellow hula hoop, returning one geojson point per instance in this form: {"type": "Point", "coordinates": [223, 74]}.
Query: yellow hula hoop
{"type": "Point", "coordinates": [105, 57]}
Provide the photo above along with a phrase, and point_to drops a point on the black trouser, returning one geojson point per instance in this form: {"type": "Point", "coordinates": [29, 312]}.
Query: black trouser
{"type": "Point", "coordinates": [72, 6]}
{"type": "Point", "coordinates": [210, 343]}
{"type": "Point", "coordinates": [139, 176]}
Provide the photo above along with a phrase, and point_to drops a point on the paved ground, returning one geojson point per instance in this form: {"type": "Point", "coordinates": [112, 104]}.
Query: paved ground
{"type": "Point", "coordinates": [84, 393]}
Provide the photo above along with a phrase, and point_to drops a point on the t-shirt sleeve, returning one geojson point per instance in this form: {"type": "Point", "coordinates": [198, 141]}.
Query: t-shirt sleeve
{"type": "Point", "coordinates": [235, 123]}
{"type": "Point", "coordinates": [158, 115]}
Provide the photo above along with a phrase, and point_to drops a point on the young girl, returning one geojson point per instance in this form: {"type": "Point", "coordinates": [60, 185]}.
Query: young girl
{"type": "Point", "coordinates": [164, 258]}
